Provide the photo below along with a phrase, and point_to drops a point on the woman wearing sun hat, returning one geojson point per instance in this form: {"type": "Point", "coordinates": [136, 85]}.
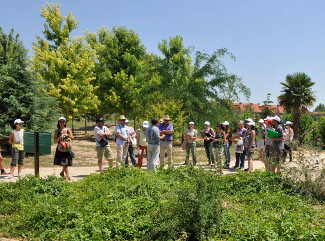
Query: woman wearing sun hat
{"type": "Point", "coordinates": [227, 137]}
{"type": "Point", "coordinates": [142, 143]}
{"type": "Point", "coordinates": [208, 135]}
{"type": "Point", "coordinates": [250, 144]}
{"type": "Point", "coordinates": [63, 158]}
{"type": "Point", "coordinates": [191, 135]}
{"type": "Point", "coordinates": [288, 139]}
{"type": "Point", "coordinates": [16, 139]}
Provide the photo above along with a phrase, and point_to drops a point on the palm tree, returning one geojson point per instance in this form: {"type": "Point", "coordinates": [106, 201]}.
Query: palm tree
{"type": "Point", "coordinates": [296, 93]}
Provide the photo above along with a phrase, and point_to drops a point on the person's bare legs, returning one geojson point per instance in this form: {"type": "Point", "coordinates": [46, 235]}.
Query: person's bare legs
{"type": "Point", "coordinates": [12, 170]}
{"type": "Point", "coordinates": [250, 165]}
{"type": "Point", "coordinates": [20, 167]}
{"type": "Point", "coordinates": [100, 165]}
{"type": "Point", "coordinates": [266, 166]}
{"type": "Point", "coordinates": [273, 168]}
{"type": "Point", "coordinates": [66, 170]}
{"type": "Point", "coordinates": [110, 163]}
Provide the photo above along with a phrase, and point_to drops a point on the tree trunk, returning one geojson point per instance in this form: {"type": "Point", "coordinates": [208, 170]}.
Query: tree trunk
{"type": "Point", "coordinates": [85, 123]}
{"type": "Point", "coordinates": [115, 118]}
{"type": "Point", "coordinates": [296, 124]}
{"type": "Point", "coordinates": [135, 123]}
{"type": "Point", "coordinates": [72, 124]}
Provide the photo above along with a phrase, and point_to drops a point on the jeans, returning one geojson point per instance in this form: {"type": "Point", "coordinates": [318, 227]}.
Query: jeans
{"type": "Point", "coordinates": [191, 147]}
{"type": "Point", "coordinates": [132, 155]}
{"type": "Point", "coordinates": [219, 150]}
{"type": "Point", "coordinates": [240, 157]}
{"type": "Point", "coordinates": [227, 154]}
{"type": "Point", "coordinates": [208, 146]}
{"type": "Point", "coordinates": [153, 157]}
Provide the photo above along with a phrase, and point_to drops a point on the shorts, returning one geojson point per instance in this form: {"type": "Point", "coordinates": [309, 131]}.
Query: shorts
{"type": "Point", "coordinates": [278, 158]}
{"type": "Point", "coordinates": [104, 151]}
{"type": "Point", "coordinates": [17, 156]}
{"type": "Point", "coordinates": [249, 155]}
{"type": "Point", "coordinates": [268, 150]}
{"type": "Point", "coordinates": [260, 144]}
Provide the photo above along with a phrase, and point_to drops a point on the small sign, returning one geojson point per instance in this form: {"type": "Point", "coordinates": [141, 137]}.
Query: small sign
{"type": "Point", "coordinates": [44, 143]}
{"type": "Point", "coordinates": [29, 142]}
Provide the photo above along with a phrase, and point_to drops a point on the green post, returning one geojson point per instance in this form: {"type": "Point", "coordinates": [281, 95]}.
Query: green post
{"type": "Point", "coordinates": [36, 154]}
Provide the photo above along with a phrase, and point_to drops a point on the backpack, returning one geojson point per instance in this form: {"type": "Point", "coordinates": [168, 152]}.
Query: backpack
{"type": "Point", "coordinates": [64, 145]}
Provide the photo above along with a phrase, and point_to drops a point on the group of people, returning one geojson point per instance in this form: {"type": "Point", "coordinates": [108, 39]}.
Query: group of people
{"type": "Point", "coordinates": [156, 141]}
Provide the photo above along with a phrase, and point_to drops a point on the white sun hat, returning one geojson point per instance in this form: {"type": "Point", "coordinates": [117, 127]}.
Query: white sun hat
{"type": "Point", "coordinates": [277, 118]}
{"type": "Point", "coordinates": [145, 124]}
{"type": "Point", "coordinates": [18, 121]}
{"type": "Point", "coordinates": [226, 123]}
{"type": "Point", "coordinates": [126, 121]}
{"type": "Point", "coordinates": [191, 123]}
{"type": "Point", "coordinates": [261, 121]}
{"type": "Point", "coordinates": [62, 118]}
{"type": "Point", "coordinates": [207, 123]}
{"type": "Point", "coordinates": [251, 123]}
{"type": "Point", "coordinates": [249, 119]}
{"type": "Point", "coordinates": [288, 123]}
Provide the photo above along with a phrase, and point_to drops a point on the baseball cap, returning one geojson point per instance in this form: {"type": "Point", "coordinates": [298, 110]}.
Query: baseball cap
{"type": "Point", "coordinates": [126, 121]}
{"type": "Point", "coordinates": [249, 119]}
{"type": "Point", "coordinates": [18, 121]}
{"type": "Point", "coordinates": [100, 120]}
{"type": "Point", "coordinates": [226, 123]}
{"type": "Point", "coordinates": [277, 118]}
{"type": "Point", "coordinates": [251, 123]}
{"type": "Point", "coordinates": [207, 123]}
{"type": "Point", "coordinates": [145, 124]}
{"type": "Point", "coordinates": [288, 123]}
{"type": "Point", "coordinates": [191, 123]}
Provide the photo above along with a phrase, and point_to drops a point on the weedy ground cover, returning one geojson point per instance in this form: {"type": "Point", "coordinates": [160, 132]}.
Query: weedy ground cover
{"type": "Point", "coordinates": [183, 203]}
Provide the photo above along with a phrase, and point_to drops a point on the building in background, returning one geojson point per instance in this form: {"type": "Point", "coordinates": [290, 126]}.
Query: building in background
{"type": "Point", "coordinates": [257, 108]}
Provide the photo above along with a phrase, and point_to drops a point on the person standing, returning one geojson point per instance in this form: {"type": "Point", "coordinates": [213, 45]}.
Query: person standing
{"type": "Point", "coordinates": [190, 136]}
{"type": "Point", "coordinates": [226, 140]}
{"type": "Point", "coordinates": [142, 143]}
{"type": "Point", "coordinates": [122, 140]}
{"type": "Point", "coordinates": [61, 158]}
{"type": "Point", "coordinates": [103, 149]}
{"type": "Point", "coordinates": [153, 139]}
{"type": "Point", "coordinates": [239, 150]}
{"type": "Point", "coordinates": [268, 144]}
{"type": "Point", "coordinates": [3, 172]}
{"type": "Point", "coordinates": [16, 139]}
{"type": "Point", "coordinates": [250, 144]}
{"type": "Point", "coordinates": [166, 144]}
{"type": "Point", "coordinates": [261, 139]}
{"type": "Point", "coordinates": [278, 144]}
{"type": "Point", "coordinates": [219, 145]}
{"type": "Point", "coordinates": [132, 142]}
{"type": "Point", "coordinates": [208, 136]}
{"type": "Point", "coordinates": [288, 140]}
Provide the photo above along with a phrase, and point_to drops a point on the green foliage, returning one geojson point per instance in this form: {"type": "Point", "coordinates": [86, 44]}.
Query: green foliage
{"type": "Point", "coordinates": [20, 95]}
{"type": "Point", "coordinates": [267, 111]}
{"type": "Point", "coordinates": [183, 203]}
{"type": "Point", "coordinates": [120, 53]}
{"type": "Point", "coordinates": [305, 125]}
{"type": "Point", "coordinates": [296, 94]}
{"type": "Point", "coordinates": [320, 108]}
{"type": "Point", "coordinates": [175, 111]}
{"type": "Point", "coordinates": [67, 66]}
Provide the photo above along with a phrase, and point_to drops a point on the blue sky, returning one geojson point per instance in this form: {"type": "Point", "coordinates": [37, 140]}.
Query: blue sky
{"type": "Point", "coordinates": [269, 39]}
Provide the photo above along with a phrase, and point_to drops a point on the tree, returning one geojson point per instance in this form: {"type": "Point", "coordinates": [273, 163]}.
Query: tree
{"type": "Point", "coordinates": [120, 53]}
{"type": "Point", "coordinates": [267, 111]}
{"type": "Point", "coordinates": [320, 108]}
{"type": "Point", "coordinates": [20, 96]}
{"type": "Point", "coordinates": [65, 64]}
{"type": "Point", "coordinates": [296, 94]}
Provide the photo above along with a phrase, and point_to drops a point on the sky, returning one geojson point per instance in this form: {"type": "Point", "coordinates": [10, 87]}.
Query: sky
{"type": "Point", "coordinates": [269, 39]}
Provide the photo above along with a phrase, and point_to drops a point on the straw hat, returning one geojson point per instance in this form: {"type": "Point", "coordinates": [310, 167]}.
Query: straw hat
{"type": "Point", "coordinates": [167, 118]}
{"type": "Point", "coordinates": [235, 139]}
{"type": "Point", "coordinates": [122, 117]}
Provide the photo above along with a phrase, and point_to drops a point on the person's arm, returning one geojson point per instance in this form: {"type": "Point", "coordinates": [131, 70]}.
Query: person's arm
{"type": "Point", "coordinates": [11, 137]}
{"type": "Point", "coordinates": [213, 134]}
{"type": "Point", "coordinates": [108, 133]}
{"type": "Point", "coordinates": [56, 138]}
{"type": "Point", "coordinates": [70, 135]}
{"type": "Point", "coordinates": [138, 138]}
{"type": "Point", "coordinates": [195, 136]}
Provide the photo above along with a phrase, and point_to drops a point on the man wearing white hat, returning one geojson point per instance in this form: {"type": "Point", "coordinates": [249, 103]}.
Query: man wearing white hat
{"type": "Point", "coordinates": [142, 143]}
{"type": "Point", "coordinates": [278, 144]}
{"type": "Point", "coordinates": [261, 138]}
{"type": "Point", "coordinates": [122, 140]}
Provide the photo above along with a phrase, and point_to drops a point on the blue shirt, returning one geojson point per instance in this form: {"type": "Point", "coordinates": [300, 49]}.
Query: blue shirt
{"type": "Point", "coordinates": [162, 127]}
{"type": "Point", "coordinates": [124, 130]}
{"type": "Point", "coordinates": [153, 135]}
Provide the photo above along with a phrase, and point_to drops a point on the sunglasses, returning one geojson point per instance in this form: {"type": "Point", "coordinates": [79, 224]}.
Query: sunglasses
{"type": "Point", "coordinates": [62, 122]}
{"type": "Point", "coordinates": [20, 124]}
{"type": "Point", "coordinates": [122, 120]}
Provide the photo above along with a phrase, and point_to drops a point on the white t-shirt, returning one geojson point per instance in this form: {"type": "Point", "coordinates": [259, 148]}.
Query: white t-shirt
{"type": "Point", "coordinates": [97, 131]}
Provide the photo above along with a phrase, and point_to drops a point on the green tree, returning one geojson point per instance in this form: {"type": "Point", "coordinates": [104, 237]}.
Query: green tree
{"type": "Point", "coordinates": [120, 55]}
{"type": "Point", "coordinates": [20, 96]}
{"type": "Point", "coordinates": [297, 93]}
{"type": "Point", "coordinates": [267, 111]}
{"type": "Point", "coordinates": [65, 64]}
{"type": "Point", "coordinates": [320, 108]}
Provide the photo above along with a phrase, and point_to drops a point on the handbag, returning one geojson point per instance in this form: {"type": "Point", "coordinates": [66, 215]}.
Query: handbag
{"type": "Point", "coordinates": [103, 142]}
{"type": "Point", "coordinates": [64, 146]}
{"type": "Point", "coordinates": [239, 146]}
{"type": "Point", "coordinates": [184, 144]}
{"type": "Point", "coordinates": [134, 141]}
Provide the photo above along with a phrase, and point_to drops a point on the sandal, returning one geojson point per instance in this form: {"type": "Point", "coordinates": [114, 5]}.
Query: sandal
{"type": "Point", "coordinates": [67, 179]}
{"type": "Point", "coordinates": [62, 174]}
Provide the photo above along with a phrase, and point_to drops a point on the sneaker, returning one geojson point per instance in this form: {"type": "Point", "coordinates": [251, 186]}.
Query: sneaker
{"type": "Point", "coordinates": [9, 176]}
{"type": "Point", "coordinates": [20, 175]}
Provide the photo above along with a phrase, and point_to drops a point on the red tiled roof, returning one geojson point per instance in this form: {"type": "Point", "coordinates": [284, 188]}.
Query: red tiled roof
{"type": "Point", "coordinates": [257, 108]}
